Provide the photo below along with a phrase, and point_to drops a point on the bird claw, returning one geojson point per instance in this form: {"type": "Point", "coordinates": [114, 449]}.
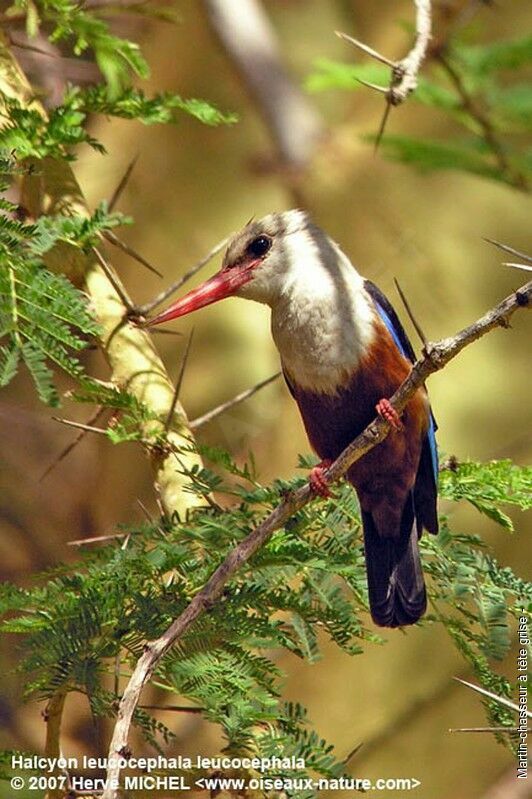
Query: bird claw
{"type": "Point", "coordinates": [317, 480]}
{"type": "Point", "coordinates": [386, 410]}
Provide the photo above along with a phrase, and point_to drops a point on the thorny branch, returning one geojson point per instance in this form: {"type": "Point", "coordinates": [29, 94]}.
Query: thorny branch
{"type": "Point", "coordinates": [134, 362]}
{"type": "Point", "coordinates": [404, 75]}
{"type": "Point", "coordinates": [434, 358]}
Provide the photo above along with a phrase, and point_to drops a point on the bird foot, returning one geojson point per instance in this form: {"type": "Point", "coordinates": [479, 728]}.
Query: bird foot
{"type": "Point", "coordinates": [318, 483]}
{"type": "Point", "coordinates": [385, 409]}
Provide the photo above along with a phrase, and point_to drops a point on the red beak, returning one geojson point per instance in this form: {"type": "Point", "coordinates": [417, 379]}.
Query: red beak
{"type": "Point", "coordinates": [223, 284]}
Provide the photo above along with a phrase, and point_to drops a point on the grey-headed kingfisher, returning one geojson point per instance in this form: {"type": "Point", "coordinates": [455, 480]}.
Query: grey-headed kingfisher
{"type": "Point", "coordinates": [343, 352]}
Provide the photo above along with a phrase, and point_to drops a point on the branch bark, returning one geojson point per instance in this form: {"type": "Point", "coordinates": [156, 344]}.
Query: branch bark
{"type": "Point", "coordinates": [435, 357]}
{"type": "Point", "coordinates": [405, 73]}
{"type": "Point", "coordinates": [135, 365]}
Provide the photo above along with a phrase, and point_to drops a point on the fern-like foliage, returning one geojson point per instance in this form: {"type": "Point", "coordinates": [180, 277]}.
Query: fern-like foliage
{"type": "Point", "coordinates": [308, 579]}
{"type": "Point", "coordinates": [44, 320]}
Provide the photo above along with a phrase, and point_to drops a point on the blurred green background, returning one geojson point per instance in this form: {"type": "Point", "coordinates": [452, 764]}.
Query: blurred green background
{"type": "Point", "coordinates": [190, 188]}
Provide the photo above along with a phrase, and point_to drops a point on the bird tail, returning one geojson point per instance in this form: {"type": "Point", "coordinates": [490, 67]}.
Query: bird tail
{"type": "Point", "coordinates": [396, 586]}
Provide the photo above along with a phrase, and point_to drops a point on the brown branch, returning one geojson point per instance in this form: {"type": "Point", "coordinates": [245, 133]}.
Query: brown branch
{"type": "Point", "coordinates": [250, 42]}
{"type": "Point", "coordinates": [513, 176]}
{"type": "Point", "coordinates": [113, 239]}
{"type": "Point", "coordinates": [134, 363]}
{"type": "Point", "coordinates": [73, 444]}
{"type": "Point", "coordinates": [435, 357]}
{"type": "Point", "coordinates": [169, 290]}
{"type": "Point", "coordinates": [488, 729]}
{"type": "Point", "coordinates": [244, 395]}
{"type": "Point", "coordinates": [53, 715]}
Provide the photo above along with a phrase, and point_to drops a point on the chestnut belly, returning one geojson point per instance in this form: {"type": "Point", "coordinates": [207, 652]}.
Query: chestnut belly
{"type": "Point", "coordinates": [333, 421]}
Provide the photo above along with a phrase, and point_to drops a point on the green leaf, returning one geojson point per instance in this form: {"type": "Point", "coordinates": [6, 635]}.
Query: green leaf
{"type": "Point", "coordinates": [512, 106]}
{"type": "Point", "coordinates": [41, 316]}
{"type": "Point", "coordinates": [430, 154]}
{"type": "Point", "coordinates": [9, 358]}
{"type": "Point", "coordinates": [336, 75]}
{"type": "Point", "coordinates": [488, 486]}
{"type": "Point", "coordinates": [487, 58]}
{"type": "Point", "coordinates": [133, 104]}
{"type": "Point", "coordinates": [494, 619]}
{"type": "Point", "coordinates": [42, 375]}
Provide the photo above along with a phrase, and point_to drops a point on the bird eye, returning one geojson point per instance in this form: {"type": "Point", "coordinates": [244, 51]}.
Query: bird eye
{"type": "Point", "coordinates": [259, 246]}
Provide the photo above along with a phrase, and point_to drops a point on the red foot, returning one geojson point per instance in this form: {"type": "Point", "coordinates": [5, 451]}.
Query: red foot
{"type": "Point", "coordinates": [385, 409]}
{"type": "Point", "coordinates": [318, 483]}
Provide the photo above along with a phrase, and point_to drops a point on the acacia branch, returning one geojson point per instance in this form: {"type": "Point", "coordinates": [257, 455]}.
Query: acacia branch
{"type": "Point", "coordinates": [434, 358]}
{"type": "Point", "coordinates": [404, 77]}
{"type": "Point", "coordinates": [134, 363]}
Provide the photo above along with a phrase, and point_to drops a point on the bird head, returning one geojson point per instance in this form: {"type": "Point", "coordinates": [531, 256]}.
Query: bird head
{"type": "Point", "coordinates": [255, 266]}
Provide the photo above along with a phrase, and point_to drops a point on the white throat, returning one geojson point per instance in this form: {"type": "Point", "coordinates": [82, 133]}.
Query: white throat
{"type": "Point", "coordinates": [322, 316]}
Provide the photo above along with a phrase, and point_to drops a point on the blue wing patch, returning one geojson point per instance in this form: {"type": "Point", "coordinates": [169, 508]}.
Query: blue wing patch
{"type": "Point", "coordinates": [431, 436]}
{"type": "Point", "coordinates": [399, 337]}
{"type": "Point", "coordinates": [393, 332]}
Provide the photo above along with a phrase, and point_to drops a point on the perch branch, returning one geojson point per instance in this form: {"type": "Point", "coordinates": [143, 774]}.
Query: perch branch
{"type": "Point", "coordinates": [435, 357]}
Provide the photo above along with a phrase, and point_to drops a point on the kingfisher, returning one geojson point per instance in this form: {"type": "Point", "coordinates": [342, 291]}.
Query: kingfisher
{"type": "Point", "coordinates": [344, 353]}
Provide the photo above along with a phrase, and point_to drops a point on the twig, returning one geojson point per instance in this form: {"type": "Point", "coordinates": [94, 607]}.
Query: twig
{"type": "Point", "coordinates": [179, 382]}
{"type": "Point", "coordinates": [31, 47]}
{"type": "Point", "coordinates": [513, 176]}
{"type": "Point", "coordinates": [113, 239]}
{"type": "Point", "coordinates": [53, 716]}
{"type": "Point", "coordinates": [488, 729]}
{"type": "Point", "coordinates": [173, 708]}
{"type": "Point", "coordinates": [435, 357]}
{"type": "Point", "coordinates": [367, 49]}
{"type": "Point", "coordinates": [160, 298]}
{"type": "Point", "coordinates": [509, 249]}
{"type": "Point", "coordinates": [113, 280]}
{"type": "Point", "coordinates": [73, 444]}
{"type": "Point", "coordinates": [413, 319]}
{"type": "Point", "coordinates": [404, 75]}
{"type": "Point", "coordinates": [244, 395]}
{"type": "Point", "coordinates": [97, 539]}
{"type": "Point", "coordinates": [519, 266]}
{"type": "Point", "coordinates": [496, 698]}
{"type": "Point", "coordinates": [87, 428]}
{"type": "Point", "coordinates": [145, 511]}
{"type": "Point", "coordinates": [124, 180]}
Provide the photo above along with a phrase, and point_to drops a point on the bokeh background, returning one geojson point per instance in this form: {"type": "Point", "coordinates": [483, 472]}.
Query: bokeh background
{"type": "Point", "coordinates": [191, 187]}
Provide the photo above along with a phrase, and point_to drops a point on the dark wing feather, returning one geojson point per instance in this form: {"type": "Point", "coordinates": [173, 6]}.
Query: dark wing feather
{"type": "Point", "coordinates": [392, 321]}
{"type": "Point", "coordinates": [427, 476]}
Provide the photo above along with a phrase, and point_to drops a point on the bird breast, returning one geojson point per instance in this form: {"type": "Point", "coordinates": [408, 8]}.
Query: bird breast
{"type": "Point", "coordinates": [322, 335]}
